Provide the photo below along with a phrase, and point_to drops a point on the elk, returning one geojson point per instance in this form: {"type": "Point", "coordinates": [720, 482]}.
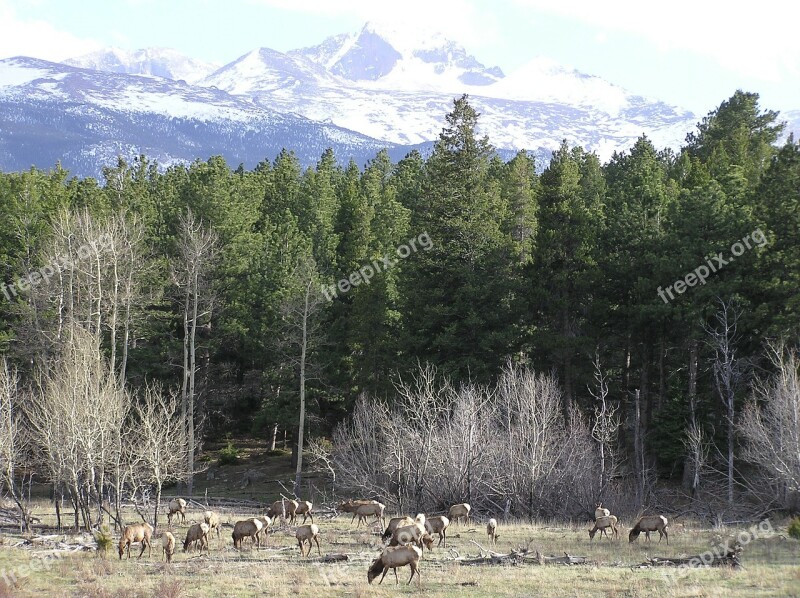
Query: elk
{"type": "Point", "coordinates": [600, 511]}
{"type": "Point", "coordinates": [459, 511]}
{"type": "Point", "coordinates": [247, 528]}
{"type": "Point", "coordinates": [438, 525]}
{"type": "Point", "coordinates": [491, 531]}
{"type": "Point", "coordinates": [168, 546]}
{"type": "Point", "coordinates": [137, 532]}
{"type": "Point", "coordinates": [177, 506]}
{"type": "Point", "coordinates": [647, 524]}
{"type": "Point", "coordinates": [281, 507]}
{"type": "Point", "coordinates": [308, 533]}
{"type": "Point", "coordinates": [392, 558]}
{"type": "Point", "coordinates": [602, 524]}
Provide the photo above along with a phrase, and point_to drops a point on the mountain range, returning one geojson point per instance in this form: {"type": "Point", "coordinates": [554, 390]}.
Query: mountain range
{"type": "Point", "coordinates": [375, 88]}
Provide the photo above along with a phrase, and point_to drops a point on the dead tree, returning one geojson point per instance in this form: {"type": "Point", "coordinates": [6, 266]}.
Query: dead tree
{"type": "Point", "coordinates": [300, 315]}
{"type": "Point", "coordinates": [770, 426]}
{"type": "Point", "coordinates": [158, 452]}
{"type": "Point", "coordinates": [196, 253]}
{"type": "Point", "coordinates": [728, 372]}
{"type": "Point", "coordinates": [638, 450]}
{"type": "Point", "coordinates": [606, 424]}
{"type": "Point", "coordinates": [13, 440]}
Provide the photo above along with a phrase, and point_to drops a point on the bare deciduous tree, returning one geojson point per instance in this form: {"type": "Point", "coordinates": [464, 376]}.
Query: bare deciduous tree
{"type": "Point", "coordinates": [196, 253]}
{"type": "Point", "coordinates": [77, 418]}
{"type": "Point", "coordinates": [697, 453]}
{"type": "Point", "coordinates": [606, 425]}
{"type": "Point", "coordinates": [13, 440]}
{"type": "Point", "coordinates": [505, 447]}
{"type": "Point", "coordinates": [300, 315]}
{"type": "Point", "coordinates": [770, 426]}
{"type": "Point", "coordinates": [93, 277]}
{"type": "Point", "coordinates": [728, 372]}
{"type": "Point", "coordinates": [157, 451]}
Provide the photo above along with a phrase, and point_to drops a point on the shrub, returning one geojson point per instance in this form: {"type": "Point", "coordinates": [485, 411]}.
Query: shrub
{"type": "Point", "coordinates": [794, 528]}
{"type": "Point", "coordinates": [104, 540]}
{"type": "Point", "coordinates": [228, 455]}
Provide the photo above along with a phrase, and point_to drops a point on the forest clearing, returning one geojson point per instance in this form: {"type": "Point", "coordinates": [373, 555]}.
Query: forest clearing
{"type": "Point", "coordinates": [614, 568]}
{"type": "Point", "coordinates": [69, 565]}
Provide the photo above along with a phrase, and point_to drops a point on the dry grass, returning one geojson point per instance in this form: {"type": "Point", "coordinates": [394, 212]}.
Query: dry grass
{"type": "Point", "coordinates": [770, 567]}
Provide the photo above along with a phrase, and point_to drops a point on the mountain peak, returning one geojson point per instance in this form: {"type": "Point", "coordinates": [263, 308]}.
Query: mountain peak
{"type": "Point", "coordinates": [406, 58]}
{"type": "Point", "coordinates": [166, 63]}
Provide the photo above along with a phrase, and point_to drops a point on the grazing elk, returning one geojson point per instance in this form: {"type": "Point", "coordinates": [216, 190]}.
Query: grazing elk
{"type": "Point", "coordinates": [394, 557]}
{"type": "Point", "coordinates": [602, 524]}
{"type": "Point", "coordinates": [308, 533]}
{"type": "Point", "coordinates": [647, 524]}
{"type": "Point", "coordinates": [438, 525]}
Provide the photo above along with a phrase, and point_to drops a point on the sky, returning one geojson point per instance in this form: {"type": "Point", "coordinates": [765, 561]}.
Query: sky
{"type": "Point", "coordinates": [689, 53]}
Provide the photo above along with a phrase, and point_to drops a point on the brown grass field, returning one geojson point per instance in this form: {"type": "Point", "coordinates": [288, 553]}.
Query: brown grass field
{"type": "Point", "coordinates": [771, 565]}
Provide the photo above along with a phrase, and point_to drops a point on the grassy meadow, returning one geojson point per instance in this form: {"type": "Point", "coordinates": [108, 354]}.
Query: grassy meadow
{"type": "Point", "coordinates": [771, 565]}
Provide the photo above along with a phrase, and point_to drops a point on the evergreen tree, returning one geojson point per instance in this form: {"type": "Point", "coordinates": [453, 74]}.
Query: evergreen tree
{"type": "Point", "coordinates": [457, 295]}
{"type": "Point", "coordinates": [565, 270]}
{"type": "Point", "coordinates": [736, 133]}
{"type": "Point", "coordinates": [777, 200]}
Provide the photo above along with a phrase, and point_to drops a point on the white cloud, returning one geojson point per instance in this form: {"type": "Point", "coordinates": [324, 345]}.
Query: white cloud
{"type": "Point", "coordinates": [460, 20]}
{"type": "Point", "coordinates": [755, 40]}
{"type": "Point", "coordinates": [39, 39]}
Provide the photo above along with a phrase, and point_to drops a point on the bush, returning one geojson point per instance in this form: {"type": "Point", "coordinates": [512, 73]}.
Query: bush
{"type": "Point", "coordinates": [104, 539]}
{"type": "Point", "coordinates": [794, 528]}
{"type": "Point", "coordinates": [228, 455]}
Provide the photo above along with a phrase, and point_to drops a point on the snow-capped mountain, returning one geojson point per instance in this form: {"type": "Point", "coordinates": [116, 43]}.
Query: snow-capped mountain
{"type": "Point", "coordinates": [390, 85]}
{"type": "Point", "coordinates": [357, 92]}
{"type": "Point", "coordinates": [52, 112]}
{"type": "Point", "coordinates": [156, 62]}
{"type": "Point", "coordinates": [396, 60]}
{"type": "Point", "coordinates": [792, 118]}
{"type": "Point", "coordinates": [264, 71]}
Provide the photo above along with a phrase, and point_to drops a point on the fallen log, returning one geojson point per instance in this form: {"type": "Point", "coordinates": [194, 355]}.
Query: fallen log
{"type": "Point", "coordinates": [330, 558]}
{"type": "Point", "coordinates": [500, 559]}
{"type": "Point", "coordinates": [13, 517]}
{"type": "Point", "coordinates": [567, 559]}
{"type": "Point", "coordinates": [520, 556]}
{"type": "Point", "coordinates": [711, 558]}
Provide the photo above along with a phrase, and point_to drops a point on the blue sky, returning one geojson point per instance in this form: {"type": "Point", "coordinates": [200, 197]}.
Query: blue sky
{"type": "Point", "coordinates": [691, 53]}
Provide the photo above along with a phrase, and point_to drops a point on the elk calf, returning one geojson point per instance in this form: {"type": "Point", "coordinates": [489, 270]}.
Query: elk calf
{"type": "Point", "coordinates": [491, 531]}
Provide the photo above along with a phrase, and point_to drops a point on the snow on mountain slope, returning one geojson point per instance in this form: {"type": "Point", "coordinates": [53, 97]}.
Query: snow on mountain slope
{"type": "Point", "coordinates": [545, 80]}
{"type": "Point", "coordinates": [792, 119]}
{"type": "Point", "coordinates": [379, 86]}
{"type": "Point", "coordinates": [156, 62]}
{"type": "Point", "coordinates": [389, 58]}
{"type": "Point", "coordinates": [397, 85]}
{"type": "Point", "coordinates": [410, 117]}
{"type": "Point", "coordinates": [84, 118]}
{"type": "Point", "coordinates": [265, 70]}
{"type": "Point", "coordinates": [39, 79]}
